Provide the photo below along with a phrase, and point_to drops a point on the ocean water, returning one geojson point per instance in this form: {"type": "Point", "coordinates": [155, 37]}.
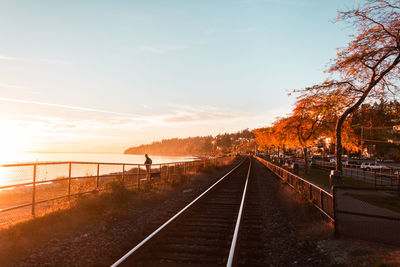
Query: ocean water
{"type": "Point", "coordinates": [90, 157]}
{"type": "Point", "coordinates": [24, 174]}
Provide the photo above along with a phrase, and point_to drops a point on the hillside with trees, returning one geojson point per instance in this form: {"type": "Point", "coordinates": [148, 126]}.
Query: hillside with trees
{"type": "Point", "coordinates": [241, 141]}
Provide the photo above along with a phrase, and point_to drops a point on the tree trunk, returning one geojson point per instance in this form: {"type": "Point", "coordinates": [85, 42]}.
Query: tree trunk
{"type": "Point", "coordinates": [339, 125]}
{"type": "Point", "coordinates": [278, 155]}
{"type": "Point", "coordinates": [375, 79]}
{"type": "Point", "coordinates": [305, 160]}
{"type": "Point", "coordinates": [339, 166]}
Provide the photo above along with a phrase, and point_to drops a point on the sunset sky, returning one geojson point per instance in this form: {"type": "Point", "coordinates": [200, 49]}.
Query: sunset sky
{"type": "Point", "coordinates": [100, 76]}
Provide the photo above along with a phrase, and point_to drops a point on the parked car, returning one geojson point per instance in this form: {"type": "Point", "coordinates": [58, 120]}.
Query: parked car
{"type": "Point", "coordinates": [372, 166]}
{"type": "Point", "coordinates": [351, 163]}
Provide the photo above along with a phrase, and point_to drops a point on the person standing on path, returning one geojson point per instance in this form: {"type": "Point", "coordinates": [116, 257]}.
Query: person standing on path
{"type": "Point", "coordinates": [148, 163]}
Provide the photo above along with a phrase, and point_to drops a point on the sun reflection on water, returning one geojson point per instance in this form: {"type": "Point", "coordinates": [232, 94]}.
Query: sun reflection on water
{"type": "Point", "coordinates": [3, 176]}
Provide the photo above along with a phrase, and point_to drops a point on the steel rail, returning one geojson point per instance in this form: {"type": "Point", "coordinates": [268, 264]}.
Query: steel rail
{"type": "Point", "coordinates": [236, 233]}
{"type": "Point", "coordinates": [123, 258]}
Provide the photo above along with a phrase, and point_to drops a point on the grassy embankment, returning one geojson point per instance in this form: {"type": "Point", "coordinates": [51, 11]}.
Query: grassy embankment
{"type": "Point", "coordinates": [391, 202]}
{"type": "Point", "coordinates": [321, 177]}
{"type": "Point", "coordinates": [101, 209]}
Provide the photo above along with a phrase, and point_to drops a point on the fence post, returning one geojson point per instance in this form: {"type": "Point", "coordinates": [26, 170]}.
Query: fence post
{"type": "Point", "coordinates": [69, 181]}
{"type": "Point", "coordinates": [123, 173]}
{"type": "Point", "coordinates": [168, 171]}
{"type": "Point", "coordinates": [310, 191]}
{"type": "Point", "coordinates": [398, 181]}
{"type": "Point", "coordinates": [98, 176]}
{"type": "Point", "coordinates": [138, 177]}
{"type": "Point", "coordinates": [322, 199]}
{"type": "Point", "coordinates": [34, 190]}
{"type": "Point", "coordinates": [391, 178]}
{"type": "Point", "coordinates": [335, 221]}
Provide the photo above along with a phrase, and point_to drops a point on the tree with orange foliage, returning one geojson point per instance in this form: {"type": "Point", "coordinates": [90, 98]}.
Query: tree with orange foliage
{"type": "Point", "coordinates": [268, 137]}
{"type": "Point", "coordinates": [368, 66]}
{"type": "Point", "coordinates": [308, 121]}
{"type": "Point", "coordinates": [263, 137]}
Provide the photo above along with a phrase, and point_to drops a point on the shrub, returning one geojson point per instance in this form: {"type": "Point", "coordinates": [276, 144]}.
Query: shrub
{"type": "Point", "coordinates": [118, 191]}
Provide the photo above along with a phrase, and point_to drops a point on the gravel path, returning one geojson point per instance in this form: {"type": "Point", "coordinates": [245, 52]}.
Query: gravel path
{"type": "Point", "coordinates": [281, 217]}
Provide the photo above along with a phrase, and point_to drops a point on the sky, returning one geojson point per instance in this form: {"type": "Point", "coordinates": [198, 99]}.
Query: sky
{"type": "Point", "coordinates": [101, 76]}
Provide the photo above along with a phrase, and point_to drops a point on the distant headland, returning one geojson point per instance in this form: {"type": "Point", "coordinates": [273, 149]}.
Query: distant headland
{"type": "Point", "coordinates": [196, 146]}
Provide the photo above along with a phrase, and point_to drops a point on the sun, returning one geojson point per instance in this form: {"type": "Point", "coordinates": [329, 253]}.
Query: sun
{"type": "Point", "coordinates": [14, 139]}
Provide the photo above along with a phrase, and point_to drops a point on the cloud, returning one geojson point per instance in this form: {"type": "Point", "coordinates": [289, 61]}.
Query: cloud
{"type": "Point", "coordinates": [23, 101]}
{"type": "Point", "coordinates": [162, 49]}
{"type": "Point", "coordinates": [55, 61]}
{"type": "Point", "coordinates": [176, 47]}
{"type": "Point", "coordinates": [11, 86]}
{"type": "Point", "coordinates": [246, 30]}
{"type": "Point", "coordinates": [203, 114]}
{"type": "Point", "coordinates": [151, 49]}
{"type": "Point", "coordinates": [173, 114]}
{"type": "Point", "coordinates": [46, 60]}
{"type": "Point", "coordinates": [2, 57]}
{"type": "Point", "coordinates": [212, 30]}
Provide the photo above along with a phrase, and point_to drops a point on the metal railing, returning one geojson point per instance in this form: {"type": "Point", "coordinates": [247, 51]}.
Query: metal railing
{"type": "Point", "coordinates": [32, 189]}
{"type": "Point", "coordinates": [321, 199]}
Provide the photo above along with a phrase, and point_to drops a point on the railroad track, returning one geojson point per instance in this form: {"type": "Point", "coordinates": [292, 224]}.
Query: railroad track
{"type": "Point", "coordinates": [220, 227]}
